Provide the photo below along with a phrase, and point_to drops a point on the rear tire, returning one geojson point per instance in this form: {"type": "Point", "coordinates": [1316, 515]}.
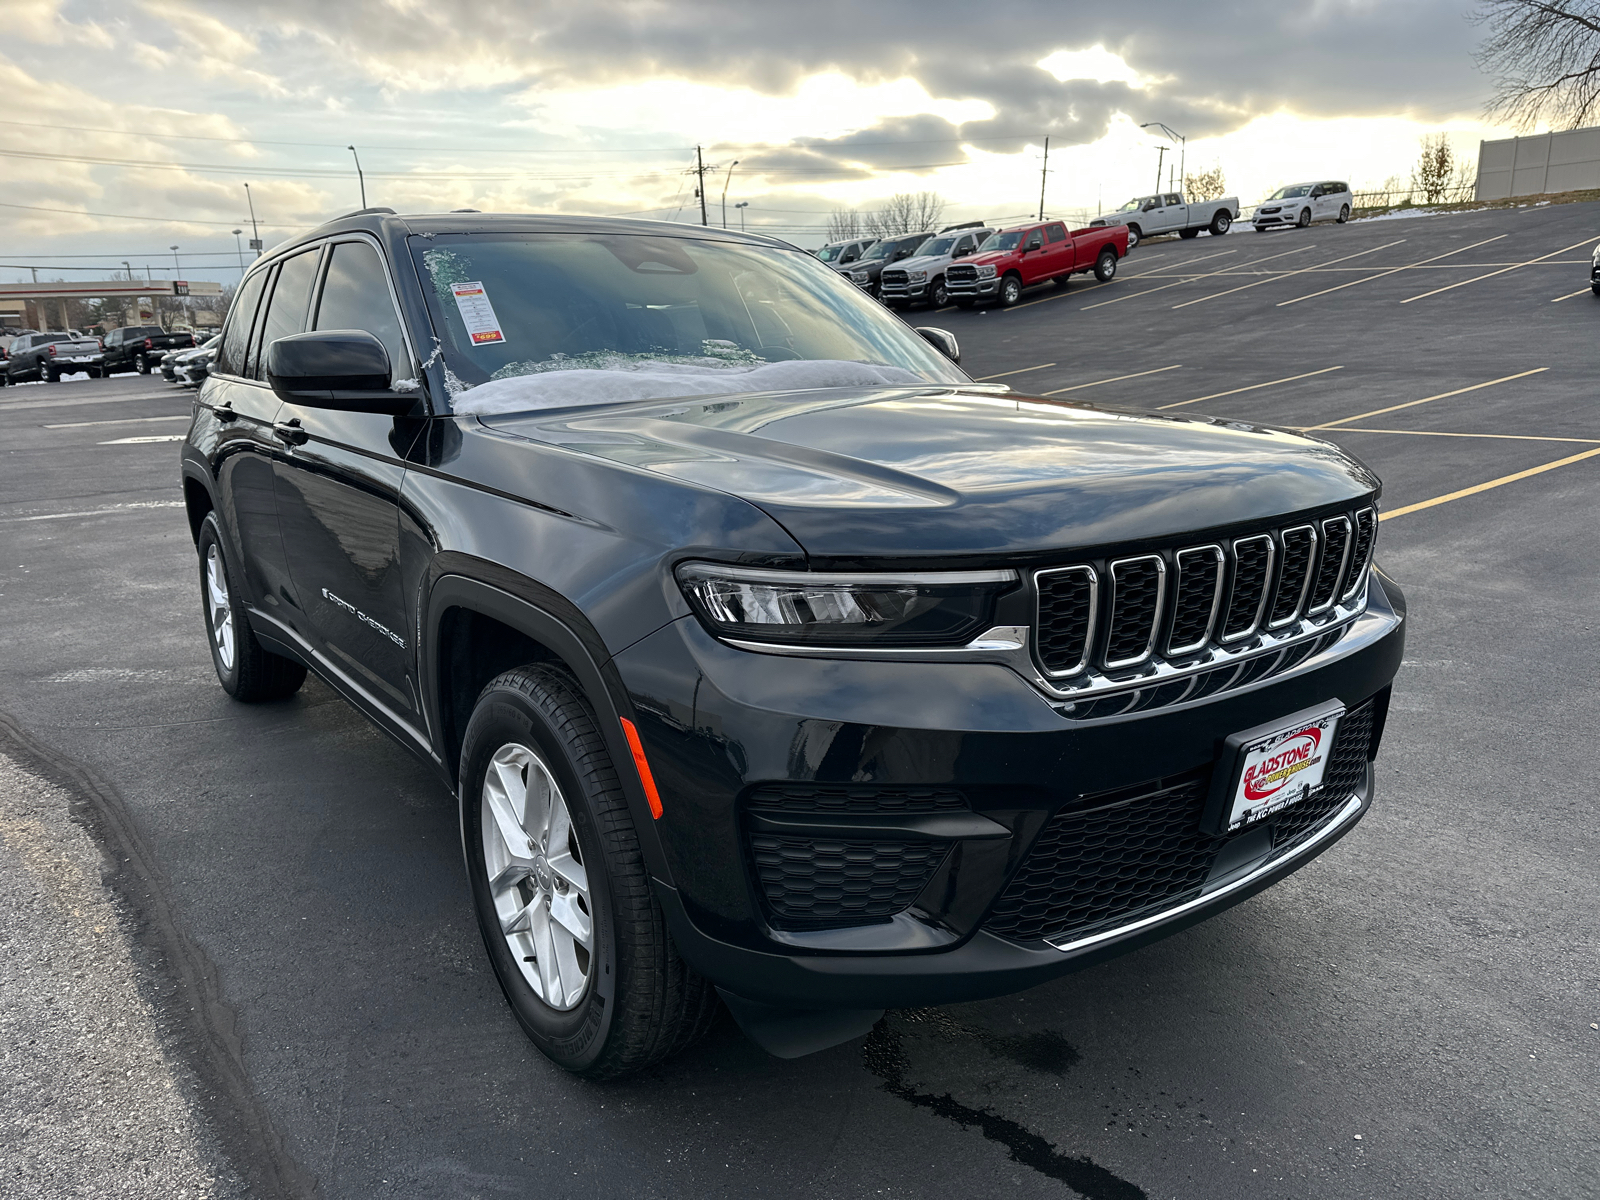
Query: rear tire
{"type": "Point", "coordinates": [1134, 237]}
{"type": "Point", "coordinates": [46, 375]}
{"type": "Point", "coordinates": [1105, 267]}
{"type": "Point", "coordinates": [246, 671]}
{"type": "Point", "coordinates": [1186, 234]}
{"type": "Point", "coordinates": [1595, 288]}
{"type": "Point", "coordinates": [533, 763]}
{"type": "Point", "coordinates": [1221, 223]}
{"type": "Point", "coordinates": [1010, 290]}
{"type": "Point", "coordinates": [141, 366]}
{"type": "Point", "coordinates": [1344, 214]}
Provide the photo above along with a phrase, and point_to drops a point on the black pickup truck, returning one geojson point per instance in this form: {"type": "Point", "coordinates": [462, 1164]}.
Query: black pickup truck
{"type": "Point", "coordinates": [770, 657]}
{"type": "Point", "coordinates": [140, 347]}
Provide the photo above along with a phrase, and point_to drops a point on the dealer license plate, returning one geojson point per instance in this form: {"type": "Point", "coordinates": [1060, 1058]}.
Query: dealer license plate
{"type": "Point", "coordinates": [1280, 768]}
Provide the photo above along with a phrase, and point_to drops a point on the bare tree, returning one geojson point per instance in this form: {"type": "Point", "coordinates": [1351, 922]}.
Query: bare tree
{"type": "Point", "coordinates": [1545, 57]}
{"type": "Point", "coordinates": [1436, 163]}
{"type": "Point", "coordinates": [1206, 185]}
{"type": "Point", "coordinates": [906, 212]}
{"type": "Point", "coordinates": [844, 224]}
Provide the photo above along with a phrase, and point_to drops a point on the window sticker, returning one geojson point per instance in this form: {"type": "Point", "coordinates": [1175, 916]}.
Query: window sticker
{"type": "Point", "coordinates": [477, 314]}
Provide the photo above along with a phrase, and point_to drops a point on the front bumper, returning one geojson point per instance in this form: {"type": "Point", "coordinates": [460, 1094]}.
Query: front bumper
{"type": "Point", "coordinates": [969, 289]}
{"type": "Point", "coordinates": [725, 729]}
{"type": "Point", "coordinates": [905, 293]}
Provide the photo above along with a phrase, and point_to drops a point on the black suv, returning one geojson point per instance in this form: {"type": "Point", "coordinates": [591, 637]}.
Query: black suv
{"type": "Point", "coordinates": [767, 654]}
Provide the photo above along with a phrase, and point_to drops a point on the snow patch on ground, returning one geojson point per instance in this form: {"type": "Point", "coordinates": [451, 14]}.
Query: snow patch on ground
{"type": "Point", "coordinates": [635, 380]}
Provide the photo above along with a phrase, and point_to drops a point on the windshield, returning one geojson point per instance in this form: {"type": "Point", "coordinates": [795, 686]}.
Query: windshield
{"type": "Point", "coordinates": [1292, 192]}
{"type": "Point", "coordinates": [881, 250]}
{"type": "Point", "coordinates": [938, 246]}
{"type": "Point", "coordinates": [1133, 205]}
{"type": "Point", "coordinates": [520, 305]}
{"type": "Point", "coordinates": [1001, 241]}
{"type": "Point", "coordinates": [829, 253]}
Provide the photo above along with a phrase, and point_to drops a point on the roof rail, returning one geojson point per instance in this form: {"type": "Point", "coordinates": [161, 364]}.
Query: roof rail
{"type": "Point", "coordinates": [965, 225]}
{"type": "Point", "coordinates": [362, 212]}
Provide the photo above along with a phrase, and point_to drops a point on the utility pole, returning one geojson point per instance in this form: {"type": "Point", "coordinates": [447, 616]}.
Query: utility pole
{"type": "Point", "coordinates": [725, 183]}
{"type": "Point", "coordinates": [255, 242]}
{"type": "Point", "coordinates": [700, 174]}
{"type": "Point", "coordinates": [1161, 154]}
{"type": "Point", "coordinates": [239, 250]}
{"type": "Point", "coordinates": [740, 207]}
{"type": "Point", "coordinates": [359, 175]}
{"type": "Point", "coordinates": [1043, 171]}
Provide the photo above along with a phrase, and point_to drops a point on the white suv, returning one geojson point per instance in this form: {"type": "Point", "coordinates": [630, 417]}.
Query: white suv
{"type": "Point", "coordinates": [1302, 203]}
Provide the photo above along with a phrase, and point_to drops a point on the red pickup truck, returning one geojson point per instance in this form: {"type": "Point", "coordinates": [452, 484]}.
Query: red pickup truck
{"type": "Point", "coordinates": [1028, 254]}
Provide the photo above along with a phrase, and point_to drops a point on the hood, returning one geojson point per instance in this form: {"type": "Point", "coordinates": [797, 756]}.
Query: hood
{"type": "Point", "coordinates": [993, 258]}
{"type": "Point", "coordinates": [925, 262]}
{"type": "Point", "coordinates": [933, 472]}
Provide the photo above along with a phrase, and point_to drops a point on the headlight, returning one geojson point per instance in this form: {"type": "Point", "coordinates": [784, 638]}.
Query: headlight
{"type": "Point", "coordinates": [986, 271]}
{"type": "Point", "coordinates": [947, 608]}
{"type": "Point", "coordinates": [916, 276]}
{"type": "Point", "coordinates": [858, 277]}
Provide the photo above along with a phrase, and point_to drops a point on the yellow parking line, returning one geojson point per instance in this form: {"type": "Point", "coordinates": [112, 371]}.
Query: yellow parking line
{"type": "Point", "coordinates": [1505, 437]}
{"type": "Point", "coordinates": [1378, 412]}
{"type": "Point", "coordinates": [1253, 387]}
{"type": "Point", "coordinates": [1018, 371]}
{"type": "Point", "coordinates": [1493, 483]}
{"type": "Point", "coordinates": [1246, 286]}
{"type": "Point", "coordinates": [1570, 295]}
{"type": "Point", "coordinates": [1114, 379]}
{"type": "Point", "coordinates": [1181, 282]}
{"type": "Point", "coordinates": [1501, 271]}
{"type": "Point", "coordinates": [1392, 271]}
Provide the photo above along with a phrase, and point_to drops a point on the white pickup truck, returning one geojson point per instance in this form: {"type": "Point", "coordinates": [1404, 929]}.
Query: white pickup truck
{"type": "Point", "coordinates": [1170, 212]}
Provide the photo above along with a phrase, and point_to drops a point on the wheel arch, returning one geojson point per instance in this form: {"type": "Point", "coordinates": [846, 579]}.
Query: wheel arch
{"type": "Point", "coordinates": [480, 620]}
{"type": "Point", "coordinates": [197, 502]}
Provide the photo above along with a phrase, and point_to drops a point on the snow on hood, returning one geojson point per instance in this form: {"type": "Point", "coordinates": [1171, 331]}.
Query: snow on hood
{"type": "Point", "coordinates": [625, 379]}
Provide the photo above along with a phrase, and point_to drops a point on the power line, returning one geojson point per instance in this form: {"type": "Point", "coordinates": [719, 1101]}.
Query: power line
{"type": "Point", "coordinates": [81, 212]}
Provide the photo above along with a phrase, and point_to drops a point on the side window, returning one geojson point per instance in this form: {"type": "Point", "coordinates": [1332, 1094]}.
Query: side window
{"type": "Point", "coordinates": [1035, 240]}
{"type": "Point", "coordinates": [1174, 198]}
{"type": "Point", "coordinates": [355, 295]}
{"type": "Point", "coordinates": [286, 311]}
{"type": "Point", "coordinates": [236, 333]}
{"type": "Point", "coordinates": [1055, 233]}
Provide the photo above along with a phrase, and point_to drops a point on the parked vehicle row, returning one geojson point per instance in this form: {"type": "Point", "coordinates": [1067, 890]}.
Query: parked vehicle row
{"type": "Point", "coordinates": [190, 367]}
{"type": "Point", "coordinates": [140, 347]}
{"type": "Point", "coordinates": [46, 357]}
{"type": "Point", "coordinates": [921, 278]}
{"type": "Point", "coordinates": [1018, 258]}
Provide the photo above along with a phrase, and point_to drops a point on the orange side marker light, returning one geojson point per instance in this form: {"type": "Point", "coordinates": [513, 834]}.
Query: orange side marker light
{"type": "Point", "coordinates": [639, 761]}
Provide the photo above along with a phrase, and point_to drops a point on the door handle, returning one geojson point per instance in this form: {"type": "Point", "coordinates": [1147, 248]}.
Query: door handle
{"type": "Point", "coordinates": [290, 432]}
{"type": "Point", "coordinates": [224, 411]}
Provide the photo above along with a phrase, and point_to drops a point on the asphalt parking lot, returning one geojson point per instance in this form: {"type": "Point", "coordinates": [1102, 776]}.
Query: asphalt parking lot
{"type": "Point", "coordinates": [1414, 1014]}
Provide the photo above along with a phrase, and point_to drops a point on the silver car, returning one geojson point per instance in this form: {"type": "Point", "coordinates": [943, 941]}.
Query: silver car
{"type": "Point", "coordinates": [1300, 204]}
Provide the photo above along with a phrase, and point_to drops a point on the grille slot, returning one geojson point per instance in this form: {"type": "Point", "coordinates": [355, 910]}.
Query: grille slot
{"type": "Point", "coordinates": [1252, 569]}
{"type": "Point", "coordinates": [840, 881]}
{"type": "Point", "coordinates": [895, 278]}
{"type": "Point", "coordinates": [1103, 867]}
{"type": "Point", "coordinates": [1361, 554]}
{"type": "Point", "coordinates": [961, 272]}
{"type": "Point", "coordinates": [1137, 588]}
{"type": "Point", "coordinates": [1294, 576]}
{"type": "Point", "coordinates": [822, 798]}
{"type": "Point", "coordinates": [1335, 548]}
{"type": "Point", "coordinates": [1195, 598]}
{"type": "Point", "coordinates": [1068, 599]}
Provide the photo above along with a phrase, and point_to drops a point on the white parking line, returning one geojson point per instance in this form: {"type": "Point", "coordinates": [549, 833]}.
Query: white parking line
{"type": "Point", "coordinates": [1391, 271]}
{"type": "Point", "coordinates": [1181, 282]}
{"type": "Point", "coordinates": [118, 421]}
{"type": "Point", "coordinates": [112, 511]}
{"type": "Point", "coordinates": [1247, 286]}
{"type": "Point", "coordinates": [1078, 387]}
{"type": "Point", "coordinates": [136, 441]}
{"type": "Point", "coordinates": [1501, 271]}
{"type": "Point", "coordinates": [1570, 295]}
{"type": "Point", "coordinates": [1253, 387]}
{"type": "Point", "coordinates": [1018, 371]}
{"type": "Point", "coordinates": [70, 402]}
{"type": "Point", "coordinates": [1378, 412]}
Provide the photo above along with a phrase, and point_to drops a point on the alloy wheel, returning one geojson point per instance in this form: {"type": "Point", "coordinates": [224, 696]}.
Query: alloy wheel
{"type": "Point", "coordinates": [537, 877]}
{"type": "Point", "coordinates": [220, 607]}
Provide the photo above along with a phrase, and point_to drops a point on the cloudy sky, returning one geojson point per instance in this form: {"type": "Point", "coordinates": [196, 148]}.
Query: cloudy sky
{"type": "Point", "coordinates": [130, 126]}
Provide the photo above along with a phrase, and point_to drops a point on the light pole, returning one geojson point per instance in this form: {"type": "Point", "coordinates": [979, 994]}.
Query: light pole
{"type": "Point", "coordinates": [255, 242]}
{"type": "Point", "coordinates": [725, 181]}
{"type": "Point", "coordinates": [1183, 152]}
{"type": "Point", "coordinates": [741, 206]}
{"type": "Point", "coordinates": [176, 270]}
{"type": "Point", "coordinates": [359, 175]}
{"type": "Point", "coordinates": [240, 249]}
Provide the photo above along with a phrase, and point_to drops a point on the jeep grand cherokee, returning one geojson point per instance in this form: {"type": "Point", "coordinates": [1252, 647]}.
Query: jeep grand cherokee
{"type": "Point", "coordinates": [768, 655]}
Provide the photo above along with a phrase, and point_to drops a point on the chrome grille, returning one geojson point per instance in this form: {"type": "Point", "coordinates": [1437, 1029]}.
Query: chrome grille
{"type": "Point", "coordinates": [894, 278]}
{"type": "Point", "coordinates": [965, 274]}
{"type": "Point", "coordinates": [1068, 598]}
{"type": "Point", "coordinates": [1252, 571]}
{"type": "Point", "coordinates": [1294, 576]}
{"type": "Point", "coordinates": [1335, 549]}
{"type": "Point", "coordinates": [1195, 598]}
{"type": "Point", "coordinates": [1361, 555]}
{"type": "Point", "coordinates": [1137, 588]}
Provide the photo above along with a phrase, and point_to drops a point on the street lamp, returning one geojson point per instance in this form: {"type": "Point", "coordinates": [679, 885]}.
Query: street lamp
{"type": "Point", "coordinates": [255, 242]}
{"type": "Point", "coordinates": [1183, 155]}
{"type": "Point", "coordinates": [359, 175]}
{"type": "Point", "coordinates": [725, 180]}
{"type": "Point", "coordinates": [741, 206]}
{"type": "Point", "coordinates": [176, 269]}
{"type": "Point", "coordinates": [240, 250]}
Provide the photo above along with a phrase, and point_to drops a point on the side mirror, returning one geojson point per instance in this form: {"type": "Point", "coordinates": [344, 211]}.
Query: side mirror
{"type": "Point", "coordinates": [342, 369]}
{"type": "Point", "coordinates": [1150, 206]}
{"type": "Point", "coordinates": [943, 341]}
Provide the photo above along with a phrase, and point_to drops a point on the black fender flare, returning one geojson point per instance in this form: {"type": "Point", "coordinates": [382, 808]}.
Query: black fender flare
{"type": "Point", "coordinates": [462, 581]}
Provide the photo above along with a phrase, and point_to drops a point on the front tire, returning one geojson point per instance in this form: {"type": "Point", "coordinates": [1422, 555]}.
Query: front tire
{"type": "Point", "coordinates": [1134, 237]}
{"type": "Point", "coordinates": [938, 294]}
{"type": "Point", "coordinates": [246, 671]}
{"type": "Point", "coordinates": [1221, 223]}
{"type": "Point", "coordinates": [1305, 219]}
{"type": "Point", "coordinates": [564, 901]}
{"type": "Point", "coordinates": [1105, 267]}
{"type": "Point", "coordinates": [1010, 290]}
{"type": "Point", "coordinates": [1186, 234]}
{"type": "Point", "coordinates": [1344, 214]}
